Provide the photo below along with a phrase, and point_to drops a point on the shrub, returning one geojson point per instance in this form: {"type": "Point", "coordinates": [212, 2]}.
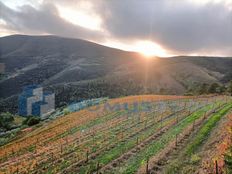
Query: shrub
{"type": "Point", "coordinates": [6, 120]}
{"type": "Point", "coordinates": [31, 120]}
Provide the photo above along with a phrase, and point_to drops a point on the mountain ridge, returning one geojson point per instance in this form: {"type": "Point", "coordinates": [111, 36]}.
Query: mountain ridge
{"type": "Point", "coordinates": [85, 69]}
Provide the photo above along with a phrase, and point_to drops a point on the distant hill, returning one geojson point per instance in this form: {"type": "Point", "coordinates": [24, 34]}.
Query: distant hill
{"type": "Point", "coordinates": [76, 69]}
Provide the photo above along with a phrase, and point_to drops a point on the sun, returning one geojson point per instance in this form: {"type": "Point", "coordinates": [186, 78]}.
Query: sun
{"type": "Point", "coordinates": [146, 48]}
{"type": "Point", "coordinates": [149, 49]}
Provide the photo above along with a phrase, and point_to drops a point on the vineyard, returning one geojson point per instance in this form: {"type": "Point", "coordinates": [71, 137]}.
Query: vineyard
{"type": "Point", "coordinates": [136, 134]}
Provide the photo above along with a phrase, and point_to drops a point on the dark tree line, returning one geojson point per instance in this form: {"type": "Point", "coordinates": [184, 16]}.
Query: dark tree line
{"type": "Point", "coordinates": [213, 88]}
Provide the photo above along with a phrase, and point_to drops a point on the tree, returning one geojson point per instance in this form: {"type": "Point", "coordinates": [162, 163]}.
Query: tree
{"type": "Point", "coordinates": [66, 111]}
{"type": "Point", "coordinates": [213, 88]}
{"type": "Point", "coordinates": [31, 120]}
{"type": "Point", "coordinates": [6, 120]}
{"type": "Point", "coordinates": [203, 89]}
{"type": "Point", "coordinates": [222, 89]}
{"type": "Point", "coordinates": [229, 89]}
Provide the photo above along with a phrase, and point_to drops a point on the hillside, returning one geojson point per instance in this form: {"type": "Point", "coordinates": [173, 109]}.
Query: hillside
{"type": "Point", "coordinates": [135, 134]}
{"type": "Point", "coordinates": [81, 69]}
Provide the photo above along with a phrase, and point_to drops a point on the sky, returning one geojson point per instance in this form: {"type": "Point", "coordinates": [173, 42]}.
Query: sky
{"type": "Point", "coordinates": [151, 27]}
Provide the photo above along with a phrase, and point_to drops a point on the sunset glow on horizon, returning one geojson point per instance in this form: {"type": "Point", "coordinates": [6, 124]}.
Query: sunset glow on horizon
{"type": "Point", "coordinates": [150, 49]}
{"type": "Point", "coordinates": [146, 48]}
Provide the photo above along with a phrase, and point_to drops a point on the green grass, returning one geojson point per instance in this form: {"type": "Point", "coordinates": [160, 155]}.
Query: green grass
{"type": "Point", "coordinates": [108, 156]}
{"type": "Point", "coordinates": [185, 159]}
{"type": "Point", "coordinates": [228, 160]}
{"type": "Point", "coordinates": [122, 147]}
{"type": "Point", "coordinates": [153, 149]}
{"type": "Point", "coordinates": [206, 129]}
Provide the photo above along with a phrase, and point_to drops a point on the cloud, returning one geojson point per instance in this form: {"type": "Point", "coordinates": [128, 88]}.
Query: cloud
{"type": "Point", "coordinates": [43, 20]}
{"type": "Point", "coordinates": [181, 26]}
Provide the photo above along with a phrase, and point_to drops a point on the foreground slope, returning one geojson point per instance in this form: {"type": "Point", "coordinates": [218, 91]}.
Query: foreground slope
{"type": "Point", "coordinates": [119, 136]}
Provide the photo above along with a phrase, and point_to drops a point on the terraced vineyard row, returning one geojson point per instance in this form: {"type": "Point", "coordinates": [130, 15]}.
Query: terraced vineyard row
{"type": "Point", "coordinates": [125, 135]}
